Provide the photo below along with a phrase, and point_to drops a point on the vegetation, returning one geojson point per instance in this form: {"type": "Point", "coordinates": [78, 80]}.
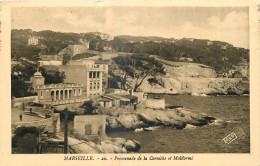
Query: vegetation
{"type": "Point", "coordinates": [213, 55]}
{"type": "Point", "coordinates": [23, 71]}
{"type": "Point", "coordinates": [50, 43]}
{"type": "Point", "coordinates": [25, 139]}
{"type": "Point", "coordinates": [138, 66]}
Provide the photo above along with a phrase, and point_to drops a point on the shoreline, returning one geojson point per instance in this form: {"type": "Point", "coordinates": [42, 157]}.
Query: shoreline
{"type": "Point", "coordinates": [199, 94]}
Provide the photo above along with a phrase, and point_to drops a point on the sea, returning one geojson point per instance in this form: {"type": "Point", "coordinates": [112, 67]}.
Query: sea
{"type": "Point", "coordinates": [233, 118]}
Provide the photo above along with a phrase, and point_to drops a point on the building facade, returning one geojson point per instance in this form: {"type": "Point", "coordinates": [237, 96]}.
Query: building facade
{"type": "Point", "coordinates": [56, 94]}
{"type": "Point", "coordinates": [50, 60]}
{"type": "Point", "coordinates": [89, 76]}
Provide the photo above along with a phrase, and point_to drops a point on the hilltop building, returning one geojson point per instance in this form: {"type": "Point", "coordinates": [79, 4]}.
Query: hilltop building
{"type": "Point", "coordinates": [33, 40]}
{"type": "Point", "coordinates": [209, 43]}
{"type": "Point", "coordinates": [186, 59]}
{"type": "Point", "coordinates": [73, 50]}
{"type": "Point", "coordinates": [103, 36]}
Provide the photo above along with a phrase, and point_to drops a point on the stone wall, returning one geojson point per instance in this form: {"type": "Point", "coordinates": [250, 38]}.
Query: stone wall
{"type": "Point", "coordinates": [18, 102]}
{"type": "Point", "coordinates": [90, 124]}
{"type": "Point", "coordinates": [51, 124]}
{"type": "Point", "coordinates": [155, 103]}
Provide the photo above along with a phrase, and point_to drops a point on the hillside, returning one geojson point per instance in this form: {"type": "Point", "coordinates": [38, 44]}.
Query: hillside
{"type": "Point", "coordinates": [221, 56]}
{"type": "Point", "coordinates": [193, 78]}
{"type": "Point", "coordinates": [129, 38]}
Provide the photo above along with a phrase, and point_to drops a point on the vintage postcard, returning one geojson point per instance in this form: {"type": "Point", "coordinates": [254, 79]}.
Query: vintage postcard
{"type": "Point", "coordinates": [110, 82]}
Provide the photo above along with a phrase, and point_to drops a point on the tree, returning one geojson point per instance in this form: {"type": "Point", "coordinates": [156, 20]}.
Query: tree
{"type": "Point", "coordinates": [138, 67]}
{"type": "Point", "coordinates": [52, 77]}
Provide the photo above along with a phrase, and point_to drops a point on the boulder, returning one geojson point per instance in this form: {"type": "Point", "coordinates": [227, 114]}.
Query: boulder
{"type": "Point", "coordinates": [129, 121]}
{"type": "Point", "coordinates": [118, 141]}
{"type": "Point", "coordinates": [147, 118]}
{"type": "Point", "coordinates": [132, 146]}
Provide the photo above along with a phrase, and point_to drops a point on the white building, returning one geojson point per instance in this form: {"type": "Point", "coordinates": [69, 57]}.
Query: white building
{"type": "Point", "coordinates": [33, 40]}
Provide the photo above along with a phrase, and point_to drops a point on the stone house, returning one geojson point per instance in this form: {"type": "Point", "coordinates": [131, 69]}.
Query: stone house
{"type": "Point", "coordinates": [90, 125]}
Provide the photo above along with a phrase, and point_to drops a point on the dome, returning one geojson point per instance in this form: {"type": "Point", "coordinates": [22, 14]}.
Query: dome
{"type": "Point", "coordinates": [37, 74]}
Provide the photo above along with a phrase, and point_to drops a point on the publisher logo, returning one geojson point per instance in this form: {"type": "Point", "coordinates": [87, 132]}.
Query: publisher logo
{"type": "Point", "coordinates": [230, 138]}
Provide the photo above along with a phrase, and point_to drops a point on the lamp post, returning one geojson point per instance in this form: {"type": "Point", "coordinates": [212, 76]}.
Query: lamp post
{"type": "Point", "coordinates": [23, 105]}
{"type": "Point", "coordinates": [66, 131]}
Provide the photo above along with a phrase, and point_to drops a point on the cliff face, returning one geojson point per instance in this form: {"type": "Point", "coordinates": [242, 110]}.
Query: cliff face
{"type": "Point", "coordinates": [192, 78]}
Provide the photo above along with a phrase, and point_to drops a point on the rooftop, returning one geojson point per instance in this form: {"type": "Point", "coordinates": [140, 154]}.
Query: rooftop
{"type": "Point", "coordinates": [62, 85]}
{"type": "Point", "coordinates": [123, 97]}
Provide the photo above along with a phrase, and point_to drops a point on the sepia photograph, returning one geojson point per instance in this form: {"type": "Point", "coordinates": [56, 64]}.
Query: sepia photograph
{"type": "Point", "coordinates": [130, 79]}
{"type": "Point", "coordinates": [130, 83]}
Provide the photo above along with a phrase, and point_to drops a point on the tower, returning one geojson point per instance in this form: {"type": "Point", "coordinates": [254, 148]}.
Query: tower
{"type": "Point", "coordinates": [36, 80]}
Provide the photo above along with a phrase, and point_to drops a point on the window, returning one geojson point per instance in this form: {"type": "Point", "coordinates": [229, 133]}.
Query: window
{"type": "Point", "coordinates": [98, 85]}
{"type": "Point", "coordinates": [94, 74]}
{"type": "Point", "coordinates": [79, 92]}
{"type": "Point", "coordinates": [94, 87]}
{"type": "Point", "coordinates": [75, 92]}
{"type": "Point", "coordinates": [90, 86]}
{"type": "Point", "coordinates": [90, 74]}
{"type": "Point", "coordinates": [97, 74]}
{"type": "Point", "coordinates": [88, 129]}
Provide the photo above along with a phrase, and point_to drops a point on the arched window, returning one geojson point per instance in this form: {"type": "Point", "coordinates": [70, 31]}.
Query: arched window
{"type": "Point", "coordinates": [75, 92]}
{"type": "Point", "coordinates": [41, 94]}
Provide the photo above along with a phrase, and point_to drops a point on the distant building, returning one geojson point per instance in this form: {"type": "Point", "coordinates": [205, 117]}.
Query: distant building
{"type": "Point", "coordinates": [237, 74]}
{"type": "Point", "coordinates": [50, 60]}
{"type": "Point", "coordinates": [84, 42]}
{"type": "Point", "coordinates": [185, 59]}
{"type": "Point", "coordinates": [56, 94]}
{"type": "Point", "coordinates": [73, 50]}
{"type": "Point", "coordinates": [33, 40]}
{"type": "Point", "coordinates": [209, 43]}
{"type": "Point", "coordinates": [223, 47]}
{"type": "Point", "coordinates": [189, 39]}
{"type": "Point", "coordinates": [36, 80]}
{"type": "Point", "coordinates": [103, 36]}
{"type": "Point", "coordinates": [108, 49]}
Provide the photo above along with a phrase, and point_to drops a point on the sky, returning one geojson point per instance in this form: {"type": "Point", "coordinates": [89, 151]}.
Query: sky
{"type": "Point", "coordinates": [229, 24]}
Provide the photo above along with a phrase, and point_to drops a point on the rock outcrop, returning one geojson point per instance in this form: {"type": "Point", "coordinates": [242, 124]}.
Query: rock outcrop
{"type": "Point", "coordinates": [108, 145]}
{"type": "Point", "coordinates": [144, 117]}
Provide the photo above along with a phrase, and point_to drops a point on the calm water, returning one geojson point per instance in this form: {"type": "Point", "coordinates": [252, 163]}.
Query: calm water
{"type": "Point", "coordinates": [233, 109]}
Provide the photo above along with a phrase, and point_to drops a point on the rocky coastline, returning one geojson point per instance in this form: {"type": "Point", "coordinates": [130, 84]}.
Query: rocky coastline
{"type": "Point", "coordinates": [179, 118]}
{"type": "Point", "coordinates": [128, 119]}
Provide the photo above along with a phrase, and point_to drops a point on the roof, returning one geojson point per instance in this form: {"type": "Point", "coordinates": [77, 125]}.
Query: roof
{"type": "Point", "coordinates": [105, 100]}
{"type": "Point", "coordinates": [50, 57]}
{"type": "Point", "coordinates": [100, 62]}
{"type": "Point", "coordinates": [37, 74]}
{"type": "Point", "coordinates": [122, 97]}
